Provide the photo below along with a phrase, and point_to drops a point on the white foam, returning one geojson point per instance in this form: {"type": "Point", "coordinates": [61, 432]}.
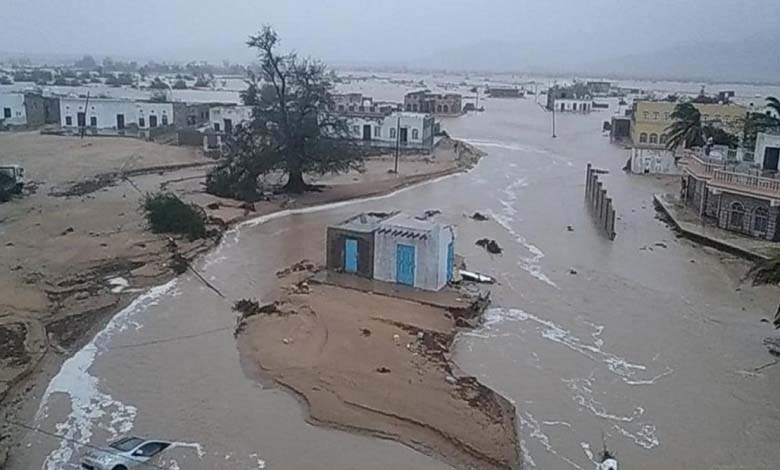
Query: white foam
{"type": "Point", "coordinates": [644, 437]}
{"type": "Point", "coordinates": [258, 461]}
{"type": "Point", "coordinates": [88, 403]}
{"type": "Point", "coordinates": [118, 284]}
{"type": "Point", "coordinates": [191, 445]}
{"type": "Point", "coordinates": [528, 264]}
{"type": "Point", "coordinates": [528, 421]}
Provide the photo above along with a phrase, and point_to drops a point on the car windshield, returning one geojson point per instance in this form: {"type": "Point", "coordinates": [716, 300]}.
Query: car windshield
{"type": "Point", "coordinates": [127, 444]}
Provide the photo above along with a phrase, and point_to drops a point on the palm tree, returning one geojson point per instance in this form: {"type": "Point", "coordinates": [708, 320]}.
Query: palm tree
{"type": "Point", "coordinates": [774, 105]}
{"type": "Point", "coordinates": [687, 129]}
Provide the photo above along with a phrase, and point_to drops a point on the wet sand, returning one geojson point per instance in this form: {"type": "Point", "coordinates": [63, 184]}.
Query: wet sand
{"type": "Point", "coordinates": [379, 365]}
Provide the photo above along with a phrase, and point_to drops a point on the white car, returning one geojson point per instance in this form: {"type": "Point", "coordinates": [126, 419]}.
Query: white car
{"type": "Point", "coordinates": [124, 454]}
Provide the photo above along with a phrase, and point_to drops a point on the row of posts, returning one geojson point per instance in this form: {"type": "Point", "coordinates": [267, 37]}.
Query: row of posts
{"type": "Point", "coordinates": [600, 205]}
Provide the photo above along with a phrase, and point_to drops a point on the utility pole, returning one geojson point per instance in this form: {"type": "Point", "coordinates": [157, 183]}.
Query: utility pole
{"type": "Point", "coordinates": [477, 107]}
{"type": "Point", "coordinates": [397, 143]}
{"type": "Point", "coordinates": [84, 127]}
{"type": "Point", "coordinates": [553, 118]}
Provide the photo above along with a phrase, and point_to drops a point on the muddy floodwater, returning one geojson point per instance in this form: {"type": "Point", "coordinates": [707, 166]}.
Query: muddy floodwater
{"type": "Point", "coordinates": [649, 338]}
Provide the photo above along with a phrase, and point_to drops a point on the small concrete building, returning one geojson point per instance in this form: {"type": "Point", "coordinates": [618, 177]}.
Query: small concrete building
{"type": "Point", "coordinates": [114, 114]}
{"type": "Point", "coordinates": [653, 161]}
{"type": "Point", "coordinates": [223, 118]}
{"type": "Point", "coordinates": [393, 248]}
{"type": "Point", "coordinates": [29, 109]}
{"type": "Point", "coordinates": [574, 105]}
{"type": "Point", "coordinates": [403, 129]}
{"type": "Point", "coordinates": [424, 101]}
{"type": "Point", "coordinates": [12, 109]}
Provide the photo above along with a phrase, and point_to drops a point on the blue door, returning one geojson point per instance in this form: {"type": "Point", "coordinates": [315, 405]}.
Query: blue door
{"type": "Point", "coordinates": [450, 260]}
{"type": "Point", "coordinates": [404, 264]}
{"type": "Point", "coordinates": [350, 255]}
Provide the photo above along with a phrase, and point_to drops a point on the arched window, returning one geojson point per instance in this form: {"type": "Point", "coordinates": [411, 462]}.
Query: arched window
{"type": "Point", "coordinates": [438, 108]}
{"type": "Point", "coordinates": [408, 107]}
{"type": "Point", "coordinates": [662, 139]}
{"type": "Point", "coordinates": [736, 215]}
{"type": "Point", "coordinates": [760, 220]}
{"type": "Point", "coordinates": [446, 108]}
{"type": "Point", "coordinates": [392, 133]}
{"type": "Point", "coordinates": [643, 138]}
{"type": "Point", "coordinates": [415, 134]}
{"type": "Point", "coordinates": [414, 108]}
{"type": "Point", "coordinates": [653, 138]}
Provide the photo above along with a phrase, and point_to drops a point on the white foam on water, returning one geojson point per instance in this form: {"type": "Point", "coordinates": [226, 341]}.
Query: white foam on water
{"type": "Point", "coordinates": [529, 264]}
{"type": "Point", "coordinates": [517, 147]}
{"type": "Point", "coordinates": [258, 461]}
{"type": "Point", "coordinates": [191, 445]}
{"type": "Point", "coordinates": [557, 423]}
{"type": "Point", "coordinates": [87, 402]}
{"type": "Point", "coordinates": [532, 426]}
{"type": "Point", "coordinates": [644, 437]}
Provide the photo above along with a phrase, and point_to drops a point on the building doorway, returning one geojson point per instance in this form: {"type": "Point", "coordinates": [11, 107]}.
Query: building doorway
{"type": "Point", "coordinates": [771, 157]}
{"type": "Point", "coordinates": [404, 264]}
{"type": "Point", "coordinates": [366, 131]}
{"type": "Point", "coordinates": [350, 255]}
{"type": "Point", "coordinates": [404, 135]}
{"type": "Point", "coordinates": [120, 121]}
{"type": "Point", "coordinates": [228, 126]}
{"type": "Point", "coordinates": [81, 119]}
{"type": "Point", "coordinates": [152, 121]}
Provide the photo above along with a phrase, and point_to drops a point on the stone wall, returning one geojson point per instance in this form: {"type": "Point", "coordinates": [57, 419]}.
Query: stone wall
{"type": "Point", "coordinates": [748, 227]}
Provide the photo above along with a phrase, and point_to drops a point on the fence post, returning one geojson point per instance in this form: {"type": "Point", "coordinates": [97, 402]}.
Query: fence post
{"type": "Point", "coordinates": [611, 227]}
{"type": "Point", "coordinates": [587, 180]}
{"type": "Point", "coordinates": [607, 208]}
{"type": "Point", "coordinates": [598, 195]}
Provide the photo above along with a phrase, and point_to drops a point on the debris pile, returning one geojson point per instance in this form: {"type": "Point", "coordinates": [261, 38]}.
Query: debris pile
{"type": "Point", "coordinates": [490, 245]}
{"type": "Point", "coordinates": [300, 266]}
{"type": "Point", "coordinates": [479, 217]}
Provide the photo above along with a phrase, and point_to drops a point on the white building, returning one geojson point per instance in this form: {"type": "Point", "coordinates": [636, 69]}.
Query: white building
{"type": "Point", "coordinates": [414, 252]}
{"type": "Point", "coordinates": [12, 109]}
{"type": "Point", "coordinates": [575, 105]}
{"type": "Point", "coordinates": [223, 118]}
{"type": "Point", "coordinates": [406, 129]}
{"type": "Point", "coordinates": [114, 113]}
{"type": "Point", "coordinates": [653, 161]}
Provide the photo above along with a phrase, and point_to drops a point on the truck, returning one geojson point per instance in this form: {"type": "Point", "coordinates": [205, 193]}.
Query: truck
{"type": "Point", "coordinates": [11, 181]}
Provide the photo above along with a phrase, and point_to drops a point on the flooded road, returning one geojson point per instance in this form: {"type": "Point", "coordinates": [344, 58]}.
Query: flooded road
{"type": "Point", "coordinates": [650, 342]}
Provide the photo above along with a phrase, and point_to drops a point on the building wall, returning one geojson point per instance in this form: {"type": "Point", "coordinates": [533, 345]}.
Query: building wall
{"type": "Point", "coordinates": [763, 142]}
{"type": "Point", "coordinates": [190, 114]}
{"type": "Point", "coordinates": [419, 128]}
{"type": "Point", "coordinates": [750, 204]}
{"type": "Point", "coordinates": [426, 102]}
{"type": "Point", "coordinates": [335, 250]}
{"type": "Point", "coordinates": [13, 104]}
{"type": "Point", "coordinates": [573, 105]}
{"type": "Point", "coordinates": [35, 109]}
{"type": "Point", "coordinates": [136, 113]}
{"type": "Point", "coordinates": [651, 119]}
{"type": "Point", "coordinates": [429, 265]}
{"type": "Point", "coordinates": [654, 161]}
{"type": "Point", "coordinates": [236, 114]}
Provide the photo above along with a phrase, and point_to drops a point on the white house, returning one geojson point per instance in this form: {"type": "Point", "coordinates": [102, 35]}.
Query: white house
{"type": "Point", "coordinates": [12, 109]}
{"type": "Point", "coordinates": [405, 129]}
{"type": "Point", "coordinates": [114, 113]}
{"type": "Point", "coordinates": [576, 105]}
{"type": "Point", "coordinates": [414, 252]}
{"type": "Point", "coordinates": [653, 161]}
{"type": "Point", "coordinates": [223, 118]}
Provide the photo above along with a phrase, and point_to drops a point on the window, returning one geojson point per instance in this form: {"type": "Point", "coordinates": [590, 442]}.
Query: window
{"type": "Point", "coordinates": [706, 117]}
{"type": "Point", "coordinates": [446, 109]}
{"type": "Point", "coordinates": [356, 130]}
{"type": "Point", "coordinates": [93, 121]}
{"type": "Point", "coordinates": [377, 131]}
{"type": "Point", "coordinates": [645, 115]}
{"type": "Point", "coordinates": [6, 112]}
{"type": "Point", "coordinates": [656, 116]}
{"type": "Point", "coordinates": [415, 134]}
{"type": "Point", "coordinates": [408, 107]}
{"type": "Point", "coordinates": [141, 122]}
{"type": "Point", "coordinates": [438, 108]}
{"type": "Point", "coordinates": [760, 220]}
{"type": "Point", "coordinates": [643, 138]}
{"type": "Point", "coordinates": [68, 120]}
{"type": "Point", "coordinates": [216, 126]}
{"type": "Point", "coordinates": [392, 132]}
{"type": "Point", "coordinates": [150, 449]}
{"type": "Point", "coordinates": [662, 139]}
{"type": "Point", "coordinates": [414, 108]}
{"type": "Point", "coordinates": [666, 116]}
{"type": "Point", "coordinates": [341, 108]}
{"type": "Point", "coordinates": [165, 120]}
{"type": "Point", "coordinates": [653, 138]}
{"type": "Point", "coordinates": [736, 215]}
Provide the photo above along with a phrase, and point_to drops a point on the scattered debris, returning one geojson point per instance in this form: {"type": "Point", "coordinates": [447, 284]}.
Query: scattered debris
{"type": "Point", "coordinates": [286, 340]}
{"type": "Point", "coordinates": [365, 332]}
{"type": "Point", "coordinates": [661, 244]}
{"type": "Point", "coordinates": [572, 271]}
{"type": "Point", "coordinates": [490, 245]}
{"type": "Point", "coordinates": [476, 277]}
{"type": "Point", "coordinates": [569, 228]}
{"type": "Point", "coordinates": [764, 320]}
{"type": "Point", "coordinates": [428, 214]}
{"type": "Point", "coordinates": [383, 370]}
{"type": "Point", "coordinates": [479, 217]}
{"type": "Point", "coordinates": [773, 344]}
{"type": "Point", "coordinates": [213, 206]}
{"type": "Point", "coordinates": [67, 231]}
{"type": "Point", "coordinates": [300, 266]}
{"type": "Point", "coordinates": [248, 206]}
{"type": "Point", "coordinates": [451, 380]}
{"type": "Point", "coordinates": [251, 307]}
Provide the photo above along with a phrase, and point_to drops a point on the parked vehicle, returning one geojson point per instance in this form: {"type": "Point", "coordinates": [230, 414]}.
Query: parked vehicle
{"type": "Point", "coordinates": [124, 454]}
{"type": "Point", "coordinates": [11, 179]}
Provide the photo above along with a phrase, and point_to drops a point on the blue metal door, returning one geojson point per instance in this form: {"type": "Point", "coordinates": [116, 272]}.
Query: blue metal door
{"type": "Point", "coordinates": [350, 255]}
{"type": "Point", "coordinates": [450, 260]}
{"type": "Point", "coordinates": [404, 264]}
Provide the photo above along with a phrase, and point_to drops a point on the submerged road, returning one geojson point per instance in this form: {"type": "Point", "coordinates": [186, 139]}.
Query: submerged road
{"type": "Point", "coordinates": [650, 342]}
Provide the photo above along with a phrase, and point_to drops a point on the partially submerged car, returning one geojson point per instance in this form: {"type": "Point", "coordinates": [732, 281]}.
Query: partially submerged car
{"type": "Point", "coordinates": [124, 454]}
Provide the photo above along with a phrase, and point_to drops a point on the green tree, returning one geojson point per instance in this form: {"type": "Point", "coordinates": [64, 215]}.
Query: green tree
{"type": "Point", "coordinates": [292, 129]}
{"type": "Point", "coordinates": [774, 105]}
{"type": "Point", "coordinates": [158, 84]}
{"type": "Point", "coordinates": [179, 85]}
{"type": "Point", "coordinates": [687, 129]}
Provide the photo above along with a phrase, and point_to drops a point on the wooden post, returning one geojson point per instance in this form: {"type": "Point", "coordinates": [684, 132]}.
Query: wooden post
{"type": "Point", "coordinates": [611, 226]}
{"type": "Point", "coordinates": [598, 195]}
{"type": "Point", "coordinates": [587, 180]}
{"type": "Point", "coordinates": [607, 209]}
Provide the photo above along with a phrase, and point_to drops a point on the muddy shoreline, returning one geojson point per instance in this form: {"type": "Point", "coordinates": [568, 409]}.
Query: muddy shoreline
{"type": "Point", "coordinates": [90, 303]}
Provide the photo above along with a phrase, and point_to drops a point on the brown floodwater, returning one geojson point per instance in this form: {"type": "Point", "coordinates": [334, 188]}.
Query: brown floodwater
{"type": "Point", "coordinates": [652, 342]}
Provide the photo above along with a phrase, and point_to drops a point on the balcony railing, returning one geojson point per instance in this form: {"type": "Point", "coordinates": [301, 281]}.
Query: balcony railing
{"type": "Point", "coordinates": [721, 178]}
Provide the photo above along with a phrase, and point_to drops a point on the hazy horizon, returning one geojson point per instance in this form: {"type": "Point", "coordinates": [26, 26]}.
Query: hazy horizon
{"type": "Point", "coordinates": [503, 35]}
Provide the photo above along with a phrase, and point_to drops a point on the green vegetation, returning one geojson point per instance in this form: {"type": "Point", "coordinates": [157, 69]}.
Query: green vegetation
{"type": "Point", "coordinates": [179, 85]}
{"type": "Point", "coordinates": [166, 213]}
{"type": "Point", "coordinates": [688, 130]}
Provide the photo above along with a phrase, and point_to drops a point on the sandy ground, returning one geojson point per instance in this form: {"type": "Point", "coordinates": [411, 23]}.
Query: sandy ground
{"type": "Point", "coordinates": [78, 250]}
{"type": "Point", "coordinates": [368, 361]}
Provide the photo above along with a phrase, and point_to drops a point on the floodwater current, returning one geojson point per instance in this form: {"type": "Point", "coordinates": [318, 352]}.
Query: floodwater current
{"type": "Point", "coordinates": [648, 339]}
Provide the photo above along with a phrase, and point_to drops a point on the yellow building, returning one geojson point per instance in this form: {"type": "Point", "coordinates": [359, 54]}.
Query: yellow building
{"type": "Point", "coordinates": [651, 119]}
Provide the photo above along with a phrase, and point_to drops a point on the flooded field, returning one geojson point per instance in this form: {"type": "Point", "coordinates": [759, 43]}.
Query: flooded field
{"type": "Point", "coordinates": [648, 339]}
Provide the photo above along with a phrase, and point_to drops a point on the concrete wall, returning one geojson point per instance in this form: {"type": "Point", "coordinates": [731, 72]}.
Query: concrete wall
{"type": "Point", "coordinates": [653, 161]}
{"type": "Point", "coordinates": [430, 266]}
{"type": "Point", "coordinates": [419, 129]}
{"type": "Point", "coordinates": [12, 110]}
{"type": "Point", "coordinates": [335, 250]}
{"type": "Point", "coordinates": [573, 105]}
{"type": "Point", "coordinates": [136, 113]}
{"type": "Point", "coordinates": [763, 142]}
{"type": "Point", "coordinates": [750, 204]}
{"type": "Point", "coordinates": [236, 114]}
{"type": "Point", "coordinates": [190, 114]}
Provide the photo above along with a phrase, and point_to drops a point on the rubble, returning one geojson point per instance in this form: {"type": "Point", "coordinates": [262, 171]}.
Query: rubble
{"type": "Point", "coordinates": [490, 245]}
{"type": "Point", "coordinates": [479, 217]}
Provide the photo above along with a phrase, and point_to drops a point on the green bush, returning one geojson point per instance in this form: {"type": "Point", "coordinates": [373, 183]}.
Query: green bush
{"type": "Point", "coordinates": [166, 213]}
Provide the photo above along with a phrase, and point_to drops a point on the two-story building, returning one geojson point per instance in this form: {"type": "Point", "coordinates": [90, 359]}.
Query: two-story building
{"type": "Point", "coordinates": [737, 190]}
{"type": "Point", "coordinates": [424, 101]}
{"type": "Point", "coordinates": [398, 129]}
{"type": "Point", "coordinates": [358, 104]}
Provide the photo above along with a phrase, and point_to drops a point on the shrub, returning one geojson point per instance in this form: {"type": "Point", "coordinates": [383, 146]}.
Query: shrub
{"type": "Point", "coordinates": [166, 213]}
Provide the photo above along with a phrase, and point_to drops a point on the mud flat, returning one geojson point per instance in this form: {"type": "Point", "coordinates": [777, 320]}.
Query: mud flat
{"type": "Point", "coordinates": [78, 250]}
{"type": "Point", "coordinates": [373, 358]}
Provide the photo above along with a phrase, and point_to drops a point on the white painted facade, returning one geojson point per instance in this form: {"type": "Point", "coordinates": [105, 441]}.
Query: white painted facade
{"type": "Point", "coordinates": [410, 129]}
{"type": "Point", "coordinates": [573, 105]}
{"type": "Point", "coordinates": [765, 142]}
{"type": "Point", "coordinates": [223, 117]}
{"type": "Point", "coordinates": [12, 110]}
{"type": "Point", "coordinates": [653, 161]}
{"type": "Point", "coordinates": [104, 113]}
{"type": "Point", "coordinates": [431, 245]}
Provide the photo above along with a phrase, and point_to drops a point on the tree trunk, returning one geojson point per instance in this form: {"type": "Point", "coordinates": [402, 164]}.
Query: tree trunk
{"type": "Point", "coordinates": [295, 183]}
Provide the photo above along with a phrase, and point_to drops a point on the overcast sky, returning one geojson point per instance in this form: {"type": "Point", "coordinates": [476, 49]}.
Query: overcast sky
{"type": "Point", "coordinates": [379, 31]}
